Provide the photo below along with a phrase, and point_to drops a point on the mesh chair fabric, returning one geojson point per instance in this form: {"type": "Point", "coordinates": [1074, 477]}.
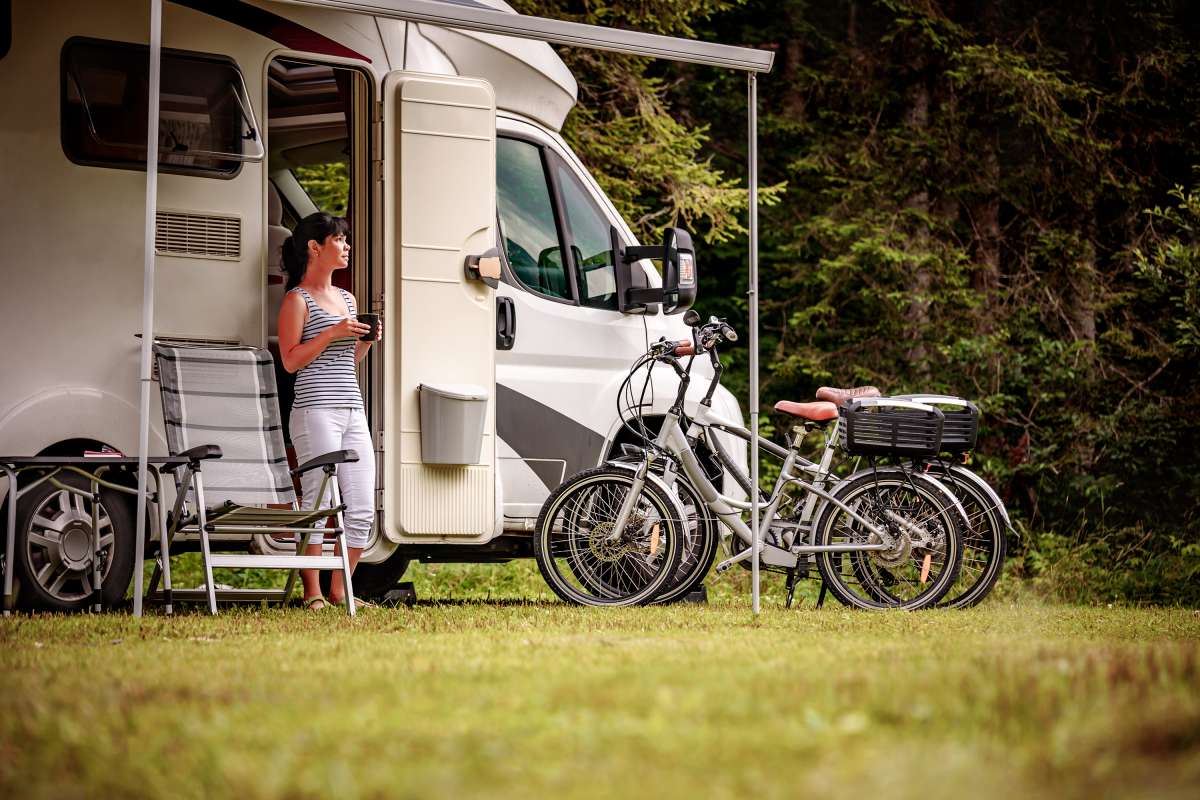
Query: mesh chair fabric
{"type": "Point", "coordinates": [227, 397]}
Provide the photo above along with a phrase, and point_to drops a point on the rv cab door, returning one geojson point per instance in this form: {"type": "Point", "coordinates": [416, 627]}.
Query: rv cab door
{"type": "Point", "coordinates": [439, 324]}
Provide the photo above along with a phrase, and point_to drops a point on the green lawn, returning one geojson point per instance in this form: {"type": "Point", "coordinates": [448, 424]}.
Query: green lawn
{"type": "Point", "coordinates": [461, 697]}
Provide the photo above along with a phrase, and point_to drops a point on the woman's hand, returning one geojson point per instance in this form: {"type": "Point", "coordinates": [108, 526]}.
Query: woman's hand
{"type": "Point", "coordinates": [348, 328]}
{"type": "Point", "coordinates": [361, 348]}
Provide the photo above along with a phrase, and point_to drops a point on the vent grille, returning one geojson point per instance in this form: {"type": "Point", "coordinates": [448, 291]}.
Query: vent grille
{"type": "Point", "coordinates": [186, 341]}
{"type": "Point", "coordinates": [181, 233]}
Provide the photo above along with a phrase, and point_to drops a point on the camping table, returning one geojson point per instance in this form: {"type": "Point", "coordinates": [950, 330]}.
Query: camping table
{"type": "Point", "coordinates": [47, 468]}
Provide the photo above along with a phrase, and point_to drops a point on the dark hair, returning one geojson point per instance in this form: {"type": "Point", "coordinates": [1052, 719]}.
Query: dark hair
{"type": "Point", "coordinates": [315, 227]}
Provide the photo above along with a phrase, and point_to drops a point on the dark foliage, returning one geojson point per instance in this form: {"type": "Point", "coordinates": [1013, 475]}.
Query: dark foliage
{"type": "Point", "coordinates": [989, 198]}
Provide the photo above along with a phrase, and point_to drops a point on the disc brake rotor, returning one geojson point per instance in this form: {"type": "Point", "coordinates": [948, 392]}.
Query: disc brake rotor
{"type": "Point", "coordinates": [608, 550]}
{"type": "Point", "coordinates": [898, 554]}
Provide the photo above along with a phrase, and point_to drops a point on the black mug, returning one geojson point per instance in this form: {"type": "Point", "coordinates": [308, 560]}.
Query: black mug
{"type": "Point", "coordinates": [373, 321]}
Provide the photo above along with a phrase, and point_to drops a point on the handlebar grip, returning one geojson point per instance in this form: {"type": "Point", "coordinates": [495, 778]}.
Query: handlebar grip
{"type": "Point", "coordinates": [685, 347]}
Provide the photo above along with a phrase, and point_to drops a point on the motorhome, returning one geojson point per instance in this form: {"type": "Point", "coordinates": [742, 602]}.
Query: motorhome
{"type": "Point", "coordinates": [442, 143]}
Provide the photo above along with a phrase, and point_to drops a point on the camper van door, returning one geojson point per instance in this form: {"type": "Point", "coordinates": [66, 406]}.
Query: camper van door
{"type": "Point", "coordinates": [439, 323]}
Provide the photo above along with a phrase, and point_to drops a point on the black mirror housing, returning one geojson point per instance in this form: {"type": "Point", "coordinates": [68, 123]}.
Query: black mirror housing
{"type": "Point", "coordinates": [679, 280]}
{"type": "Point", "coordinates": [679, 271]}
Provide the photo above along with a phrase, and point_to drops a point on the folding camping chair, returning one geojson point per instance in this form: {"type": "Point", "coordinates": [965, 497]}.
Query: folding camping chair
{"type": "Point", "coordinates": [221, 410]}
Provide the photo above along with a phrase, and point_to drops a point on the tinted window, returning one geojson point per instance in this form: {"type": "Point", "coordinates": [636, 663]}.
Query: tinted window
{"type": "Point", "coordinates": [205, 121]}
{"type": "Point", "coordinates": [588, 232]}
{"type": "Point", "coordinates": [527, 223]}
{"type": "Point", "coordinates": [5, 27]}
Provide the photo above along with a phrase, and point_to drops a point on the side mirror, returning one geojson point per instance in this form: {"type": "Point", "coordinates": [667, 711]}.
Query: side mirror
{"type": "Point", "coordinates": [679, 284]}
{"type": "Point", "coordinates": [679, 271]}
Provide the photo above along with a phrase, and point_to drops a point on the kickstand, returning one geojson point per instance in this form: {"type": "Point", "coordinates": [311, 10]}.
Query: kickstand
{"type": "Point", "coordinates": [791, 586]}
{"type": "Point", "coordinates": [821, 597]}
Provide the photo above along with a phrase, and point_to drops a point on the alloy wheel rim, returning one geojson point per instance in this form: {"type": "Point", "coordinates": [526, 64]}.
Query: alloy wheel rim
{"type": "Point", "coordinates": [59, 546]}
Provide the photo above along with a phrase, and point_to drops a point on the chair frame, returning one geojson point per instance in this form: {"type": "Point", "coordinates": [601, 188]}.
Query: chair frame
{"type": "Point", "coordinates": [195, 517]}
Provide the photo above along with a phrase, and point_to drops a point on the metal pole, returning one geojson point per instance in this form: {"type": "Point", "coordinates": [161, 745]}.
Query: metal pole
{"type": "Point", "coordinates": [752, 102]}
{"type": "Point", "coordinates": [147, 299]}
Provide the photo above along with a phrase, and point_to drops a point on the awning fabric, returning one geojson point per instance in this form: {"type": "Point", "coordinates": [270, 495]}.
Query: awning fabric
{"type": "Point", "coordinates": [575, 34]}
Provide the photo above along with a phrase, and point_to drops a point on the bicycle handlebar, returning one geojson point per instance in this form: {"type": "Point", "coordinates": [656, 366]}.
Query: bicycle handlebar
{"type": "Point", "coordinates": [705, 339]}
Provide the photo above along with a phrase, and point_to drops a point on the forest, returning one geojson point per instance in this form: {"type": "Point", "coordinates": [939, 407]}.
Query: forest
{"type": "Point", "coordinates": [998, 199]}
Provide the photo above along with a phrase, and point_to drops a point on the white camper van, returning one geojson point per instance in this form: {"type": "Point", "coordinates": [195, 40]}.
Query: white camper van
{"type": "Point", "coordinates": [449, 140]}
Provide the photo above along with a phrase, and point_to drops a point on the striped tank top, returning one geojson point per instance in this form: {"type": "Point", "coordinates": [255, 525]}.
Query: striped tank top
{"type": "Point", "coordinates": [329, 380]}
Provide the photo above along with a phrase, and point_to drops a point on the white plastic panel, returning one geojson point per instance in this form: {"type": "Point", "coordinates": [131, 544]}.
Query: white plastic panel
{"type": "Point", "coordinates": [440, 327]}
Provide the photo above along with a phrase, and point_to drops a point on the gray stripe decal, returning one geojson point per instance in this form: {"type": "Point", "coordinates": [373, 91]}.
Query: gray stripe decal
{"type": "Point", "coordinates": [535, 430]}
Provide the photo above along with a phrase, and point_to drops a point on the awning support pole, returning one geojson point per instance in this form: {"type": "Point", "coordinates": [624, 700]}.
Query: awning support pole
{"type": "Point", "coordinates": [752, 103]}
{"type": "Point", "coordinates": [139, 548]}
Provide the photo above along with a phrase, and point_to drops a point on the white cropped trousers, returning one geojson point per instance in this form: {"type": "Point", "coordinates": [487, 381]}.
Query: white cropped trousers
{"type": "Point", "coordinates": [316, 431]}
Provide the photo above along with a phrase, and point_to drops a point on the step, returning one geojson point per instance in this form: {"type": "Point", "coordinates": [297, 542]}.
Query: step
{"type": "Point", "coordinates": [224, 595]}
{"type": "Point", "coordinates": [239, 560]}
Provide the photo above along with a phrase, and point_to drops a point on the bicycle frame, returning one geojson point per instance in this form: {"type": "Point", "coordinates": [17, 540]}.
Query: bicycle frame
{"type": "Point", "coordinates": [672, 440]}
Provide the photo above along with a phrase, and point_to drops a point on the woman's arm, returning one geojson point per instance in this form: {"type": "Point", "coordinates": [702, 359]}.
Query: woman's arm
{"type": "Point", "coordinates": [297, 355]}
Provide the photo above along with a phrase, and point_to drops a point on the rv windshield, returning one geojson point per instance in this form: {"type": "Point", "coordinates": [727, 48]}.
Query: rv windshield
{"type": "Point", "coordinates": [205, 123]}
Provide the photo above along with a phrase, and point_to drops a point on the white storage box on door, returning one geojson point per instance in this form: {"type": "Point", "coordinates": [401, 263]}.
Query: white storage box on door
{"type": "Point", "coordinates": [452, 418]}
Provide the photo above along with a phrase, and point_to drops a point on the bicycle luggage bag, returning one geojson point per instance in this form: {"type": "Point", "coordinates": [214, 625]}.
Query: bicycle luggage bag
{"type": "Point", "coordinates": [961, 426]}
{"type": "Point", "coordinates": [889, 426]}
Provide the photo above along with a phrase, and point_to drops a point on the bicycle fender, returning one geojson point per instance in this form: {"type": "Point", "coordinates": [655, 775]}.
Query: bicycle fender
{"type": "Point", "coordinates": [680, 514]}
{"type": "Point", "coordinates": [985, 487]}
{"type": "Point", "coordinates": [933, 482]}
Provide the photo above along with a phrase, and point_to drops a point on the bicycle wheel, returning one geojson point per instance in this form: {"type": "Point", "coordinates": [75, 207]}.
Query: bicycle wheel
{"type": "Point", "coordinates": [985, 540]}
{"type": "Point", "coordinates": [701, 536]}
{"type": "Point", "coordinates": [922, 527]}
{"type": "Point", "coordinates": [584, 563]}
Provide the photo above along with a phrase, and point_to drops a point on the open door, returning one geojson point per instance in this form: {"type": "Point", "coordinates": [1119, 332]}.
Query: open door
{"type": "Point", "coordinates": [440, 328]}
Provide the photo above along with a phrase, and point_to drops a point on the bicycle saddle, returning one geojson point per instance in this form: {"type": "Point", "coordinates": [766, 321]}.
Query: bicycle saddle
{"type": "Point", "coordinates": [840, 396]}
{"type": "Point", "coordinates": [817, 412]}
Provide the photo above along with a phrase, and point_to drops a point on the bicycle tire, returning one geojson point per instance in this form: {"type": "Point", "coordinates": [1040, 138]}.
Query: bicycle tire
{"type": "Point", "coordinates": [580, 564]}
{"type": "Point", "coordinates": [869, 581]}
{"type": "Point", "coordinates": [985, 541]}
{"type": "Point", "coordinates": [701, 537]}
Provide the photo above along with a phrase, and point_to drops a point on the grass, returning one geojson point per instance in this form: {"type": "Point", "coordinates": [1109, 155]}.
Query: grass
{"type": "Point", "coordinates": [481, 692]}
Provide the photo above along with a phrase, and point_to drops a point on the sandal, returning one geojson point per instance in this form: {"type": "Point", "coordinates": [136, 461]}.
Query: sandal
{"type": "Point", "coordinates": [310, 603]}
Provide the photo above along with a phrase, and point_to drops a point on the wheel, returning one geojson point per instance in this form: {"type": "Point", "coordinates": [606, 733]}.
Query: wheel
{"type": "Point", "coordinates": [578, 557]}
{"type": "Point", "coordinates": [701, 538]}
{"type": "Point", "coordinates": [985, 540]}
{"type": "Point", "coordinates": [371, 581]}
{"type": "Point", "coordinates": [922, 528]}
{"type": "Point", "coordinates": [54, 550]}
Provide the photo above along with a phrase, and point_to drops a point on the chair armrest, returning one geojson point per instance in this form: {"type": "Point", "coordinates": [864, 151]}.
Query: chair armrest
{"type": "Point", "coordinates": [201, 452]}
{"type": "Point", "coordinates": [327, 460]}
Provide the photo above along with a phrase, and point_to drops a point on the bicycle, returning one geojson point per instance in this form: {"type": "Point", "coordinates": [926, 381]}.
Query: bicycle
{"type": "Point", "coordinates": [882, 538]}
{"type": "Point", "coordinates": [985, 537]}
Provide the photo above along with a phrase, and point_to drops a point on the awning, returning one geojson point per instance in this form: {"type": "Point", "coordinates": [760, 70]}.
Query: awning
{"type": "Point", "coordinates": [476, 17]}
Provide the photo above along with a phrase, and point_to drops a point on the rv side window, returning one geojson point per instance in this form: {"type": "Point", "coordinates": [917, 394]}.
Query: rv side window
{"type": "Point", "coordinates": [206, 125]}
{"type": "Point", "coordinates": [5, 27]}
{"type": "Point", "coordinates": [527, 223]}
{"type": "Point", "coordinates": [588, 233]}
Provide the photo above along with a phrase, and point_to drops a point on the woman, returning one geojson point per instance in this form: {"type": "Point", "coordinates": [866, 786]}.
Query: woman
{"type": "Point", "coordinates": [319, 340]}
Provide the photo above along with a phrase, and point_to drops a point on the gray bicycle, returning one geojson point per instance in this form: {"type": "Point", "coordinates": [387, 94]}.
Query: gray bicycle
{"type": "Point", "coordinates": [642, 529]}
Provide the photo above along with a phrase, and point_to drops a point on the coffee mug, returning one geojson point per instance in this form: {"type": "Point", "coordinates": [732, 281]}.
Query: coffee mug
{"type": "Point", "coordinates": [373, 321]}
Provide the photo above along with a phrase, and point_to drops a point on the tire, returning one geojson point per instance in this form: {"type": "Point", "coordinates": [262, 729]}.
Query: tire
{"type": "Point", "coordinates": [985, 540]}
{"type": "Point", "coordinates": [571, 547]}
{"type": "Point", "coordinates": [890, 579]}
{"type": "Point", "coordinates": [54, 547]}
{"type": "Point", "coordinates": [371, 581]}
{"type": "Point", "coordinates": [701, 538]}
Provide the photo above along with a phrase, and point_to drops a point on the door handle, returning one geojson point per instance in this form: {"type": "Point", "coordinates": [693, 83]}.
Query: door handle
{"type": "Point", "coordinates": [506, 323]}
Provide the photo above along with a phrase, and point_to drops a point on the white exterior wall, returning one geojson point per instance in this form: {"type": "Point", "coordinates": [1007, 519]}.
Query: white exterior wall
{"type": "Point", "coordinates": [72, 292]}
